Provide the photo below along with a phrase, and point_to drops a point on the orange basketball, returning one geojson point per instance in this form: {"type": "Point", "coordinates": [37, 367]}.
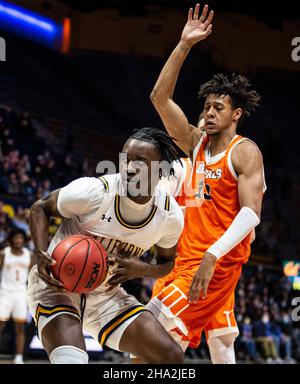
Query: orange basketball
{"type": "Point", "coordinates": [81, 263]}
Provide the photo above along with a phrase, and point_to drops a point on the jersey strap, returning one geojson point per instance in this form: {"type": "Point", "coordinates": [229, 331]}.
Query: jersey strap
{"type": "Point", "coordinates": [167, 203]}
{"type": "Point", "coordinates": [108, 198]}
{"type": "Point", "coordinates": [105, 183]}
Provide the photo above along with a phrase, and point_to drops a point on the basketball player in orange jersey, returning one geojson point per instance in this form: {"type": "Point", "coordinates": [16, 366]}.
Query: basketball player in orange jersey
{"type": "Point", "coordinates": [15, 263]}
{"type": "Point", "coordinates": [227, 182]}
{"type": "Point", "coordinates": [178, 185]}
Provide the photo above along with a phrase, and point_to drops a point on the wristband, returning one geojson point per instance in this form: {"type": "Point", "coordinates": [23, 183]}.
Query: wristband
{"type": "Point", "coordinates": [244, 222]}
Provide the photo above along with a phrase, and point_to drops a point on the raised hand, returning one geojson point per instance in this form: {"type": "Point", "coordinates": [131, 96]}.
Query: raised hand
{"type": "Point", "coordinates": [197, 28]}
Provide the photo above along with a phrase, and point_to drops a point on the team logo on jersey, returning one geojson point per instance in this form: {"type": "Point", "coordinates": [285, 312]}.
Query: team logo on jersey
{"type": "Point", "coordinates": [111, 246]}
{"type": "Point", "coordinates": [193, 186]}
{"type": "Point", "coordinates": [204, 191]}
{"type": "Point", "coordinates": [106, 218]}
{"type": "Point", "coordinates": [201, 168]}
{"type": "Point", "coordinates": [213, 173]}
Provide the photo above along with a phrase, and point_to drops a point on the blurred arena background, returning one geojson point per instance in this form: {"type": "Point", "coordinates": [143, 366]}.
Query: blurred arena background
{"type": "Point", "coordinates": [75, 78]}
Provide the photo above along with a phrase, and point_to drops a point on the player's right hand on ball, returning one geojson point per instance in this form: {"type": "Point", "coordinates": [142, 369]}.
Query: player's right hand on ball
{"type": "Point", "coordinates": [44, 262]}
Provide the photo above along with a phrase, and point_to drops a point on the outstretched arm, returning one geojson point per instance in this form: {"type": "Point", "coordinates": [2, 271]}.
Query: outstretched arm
{"type": "Point", "coordinates": [196, 29]}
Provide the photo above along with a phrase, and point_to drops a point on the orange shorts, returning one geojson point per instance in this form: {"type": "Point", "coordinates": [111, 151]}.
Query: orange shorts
{"type": "Point", "coordinates": [185, 321]}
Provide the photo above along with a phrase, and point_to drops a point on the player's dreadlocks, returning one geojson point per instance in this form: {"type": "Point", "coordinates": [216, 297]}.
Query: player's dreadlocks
{"type": "Point", "coordinates": [162, 141]}
{"type": "Point", "coordinates": [237, 87]}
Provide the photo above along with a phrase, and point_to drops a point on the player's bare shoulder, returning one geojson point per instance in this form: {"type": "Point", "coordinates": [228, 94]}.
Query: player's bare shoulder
{"type": "Point", "coordinates": [246, 155]}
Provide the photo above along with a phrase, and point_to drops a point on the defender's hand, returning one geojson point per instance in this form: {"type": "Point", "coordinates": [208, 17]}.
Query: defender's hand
{"type": "Point", "coordinates": [44, 262]}
{"type": "Point", "coordinates": [202, 278]}
{"type": "Point", "coordinates": [197, 28]}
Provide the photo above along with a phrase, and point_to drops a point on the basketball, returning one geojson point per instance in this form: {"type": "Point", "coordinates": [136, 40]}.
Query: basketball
{"type": "Point", "coordinates": [81, 263]}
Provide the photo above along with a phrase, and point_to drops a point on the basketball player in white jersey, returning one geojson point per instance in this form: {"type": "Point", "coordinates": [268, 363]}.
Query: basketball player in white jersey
{"type": "Point", "coordinates": [15, 263]}
{"type": "Point", "coordinates": [108, 209]}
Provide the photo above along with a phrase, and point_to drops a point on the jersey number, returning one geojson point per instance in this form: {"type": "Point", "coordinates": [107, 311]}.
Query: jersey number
{"type": "Point", "coordinates": [207, 194]}
{"type": "Point", "coordinates": [17, 276]}
{"type": "Point", "coordinates": [207, 191]}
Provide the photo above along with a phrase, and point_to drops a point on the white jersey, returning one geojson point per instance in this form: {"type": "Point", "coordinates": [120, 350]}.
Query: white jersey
{"type": "Point", "coordinates": [91, 206]}
{"type": "Point", "coordinates": [15, 270]}
{"type": "Point", "coordinates": [173, 184]}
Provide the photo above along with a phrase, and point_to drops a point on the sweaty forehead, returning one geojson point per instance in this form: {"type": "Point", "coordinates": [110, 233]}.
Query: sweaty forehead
{"type": "Point", "coordinates": [140, 148]}
{"type": "Point", "coordinates": [214, 98]}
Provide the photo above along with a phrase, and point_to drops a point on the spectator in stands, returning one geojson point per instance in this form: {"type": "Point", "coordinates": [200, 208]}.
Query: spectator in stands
{"type": "Point", "coordinates": [246, 331]}
{"type": "Point", "coordinates": [25, 123]}
{"type": "Point", "coordinates": [46, 188]}
{"type": "Point", "coordinates": [4, 223]}
{"type": "Point", "coordinates": [38, 173]}
{"type": "Point", "coordinates": [25, 186]}
{"type": "Point", "coordinates": [26, 164]}
{"type": "Point", "coordinates": [286, 326]}
{"type": "Point", "coordinates": [8, 145]}
{"type": "Point", "coordinates": [276, 334]}
{"type": "Point", "coordinates": [296, 342]}
{"type": "Point", "coordinates": [13, 185]}
{"type": "Point", "coordinates": [50, 169]}
{"type": "Point", "coordinates": [3, 233]}
{"type": "Point", "coordinates": [70, 166]}
{"type": "Point", "coordinates": [8, 114]}
{"type": "Point", "coordinates": [263, 337]}
{"type": "Point", "coordinates": [21, 220]}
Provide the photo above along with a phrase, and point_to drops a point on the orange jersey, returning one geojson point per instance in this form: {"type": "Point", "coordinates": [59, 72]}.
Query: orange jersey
{"type": "Point", "coordinates": [215, 197]}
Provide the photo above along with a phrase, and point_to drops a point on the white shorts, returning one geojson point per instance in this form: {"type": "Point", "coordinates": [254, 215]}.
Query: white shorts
{"type": "Point", "coordinates": [13, 304]}
{"type": "Point", "coordinates": [105, 316]}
